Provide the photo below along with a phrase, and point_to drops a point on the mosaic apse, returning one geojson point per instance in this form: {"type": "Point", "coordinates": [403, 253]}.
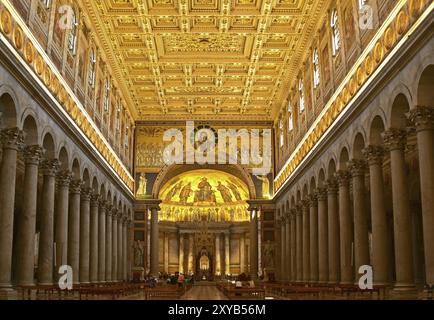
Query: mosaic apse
{"type": "Point", "coordinates": [204, 195]}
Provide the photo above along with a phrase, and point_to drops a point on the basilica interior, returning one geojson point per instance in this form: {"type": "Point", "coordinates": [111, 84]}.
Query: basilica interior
{"type": "Point", "coordinates": [216, 149]}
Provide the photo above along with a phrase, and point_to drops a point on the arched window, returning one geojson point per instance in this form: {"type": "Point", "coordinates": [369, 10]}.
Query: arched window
{"type": "Point", "coordinates": [282, 138]}
{"type": "Point", "coordinates": [72, 37]}
{"type": "Point", "coordinates": [106, 103]}
{"type": "Point", "coordinates": [92, 64]}
{"type": "Point", "coordinates": [301, 93]}
{"type": "Point", "coordinates": [46, 3]}
{"type": "Point", "coordinates": [118, 119]}
{"type": "Point", "coordinates": [336, 34]}
{"type": "Point", "coordinates": [290, 117]}
{"type": "Point", "coordinates": [127, 128]}
{"type": "Point", "coordinates": [316, 72]}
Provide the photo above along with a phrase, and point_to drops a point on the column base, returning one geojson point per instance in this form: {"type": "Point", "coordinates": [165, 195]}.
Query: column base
{"type": "Point", "coordinates": [8, 293]}
{"type": "Point", "coordinates": [45, 283]}
{"type": "Point", "coordinates": [404, 287]}
{"type": "Point", "coordinates": [26, 284]}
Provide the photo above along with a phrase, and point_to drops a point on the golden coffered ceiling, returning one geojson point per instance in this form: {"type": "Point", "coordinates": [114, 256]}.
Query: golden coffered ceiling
{"type": "Point", "coordinates": [205, 59]}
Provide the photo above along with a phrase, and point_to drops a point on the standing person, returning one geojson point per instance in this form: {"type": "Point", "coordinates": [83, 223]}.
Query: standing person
{"type": "Point", "coordinates": [181, 280]}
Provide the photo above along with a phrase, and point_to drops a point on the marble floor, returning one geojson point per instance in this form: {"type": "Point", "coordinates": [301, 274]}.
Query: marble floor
{"type": "Point", "coordinates": [204, 293]}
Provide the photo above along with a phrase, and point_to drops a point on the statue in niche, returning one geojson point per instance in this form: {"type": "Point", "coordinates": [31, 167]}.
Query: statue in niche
{"type": "Point", "coordinates": [234, 190]}
{"type": "Point", "coordinates": [205, 192]}
{"type": "Point", "coordinates": [265, 186]}
{"type": "Point", "coordinates": [268, 255]}
{"type": "Point", "coordinates": [138, 254]}
{"type": "Point", "coordinates": [141, 191]}
{"type": "Point", "coordinates": [185, 193]}
{"type": "Point", "coordinates": [172, 192]}
{"type": "Point", "coordinates": [225, 193]}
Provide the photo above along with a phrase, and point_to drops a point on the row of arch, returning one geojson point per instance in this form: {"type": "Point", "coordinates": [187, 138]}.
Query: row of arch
{"type": "Point", "coordinates": [389, 111]}
{"type": "Point", "coordinates": [394, 116]}
{"type": "Point", "coordinates": [55, 146]}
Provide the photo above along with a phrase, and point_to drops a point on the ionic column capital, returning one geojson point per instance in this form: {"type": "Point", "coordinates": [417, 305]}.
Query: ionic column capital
{"type": "Point", "coordinates": [332, 187]}
{"type": "Point", "coordinates": [313, 200]}
{"type": "Point", "coordinates": [304, 204]}
{"type": "Point", "coordinates": [288, 217]}
{"type": "Point", "coordinates": [395, 139]}
{"type": "Point", "coordinates": [357, 167]}
{"type": "Point", "coordinates": [422, 117]}
{"type": "Point", "coordinates": [49, 167]}
{"type": "Point", "coordinates": [75, 187]}
{"type": "Point", "coordinates": [293, 214]}
{"type": "Point", "coordinates": [12, 138]}
{"type": "Point", "coordinates": [374, 154]}
{"type": "Point", "coordinates": [64, 178]}
{"type": "Point", "coordinates": [109, 209]}
{"type": "Point", "coordinates": [343, 177]}
{"type": "Point", "coordinates": [102, 204]}
{"type": "Point", "coordinates": [94, 200]}
{"type": "Point", "coordinates": [85, 194]}
{"type": "Point", "coordinates": [321, 194]}
{"type": "Point", "coordinates": [32, 154]}
{"type": "Point", "coordinates": [299, 210]}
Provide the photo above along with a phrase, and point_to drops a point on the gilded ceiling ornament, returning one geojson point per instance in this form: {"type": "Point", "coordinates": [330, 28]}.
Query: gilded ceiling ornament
{"type": "Point", "coordinates": [29, 52]}
{"type": "Point", "coordinates": [402, 22]}
{"type": "Point", "coordinates": [18, 38]}
{"type": "Point", "coordinates": [6, 21]}
{"type": "Point", "coordinates": [389, 38]}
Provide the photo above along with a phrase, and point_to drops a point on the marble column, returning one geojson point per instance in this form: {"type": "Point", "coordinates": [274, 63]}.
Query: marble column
{"type": "Point", "coordinates": [242, 253]}
{"type": "Point", "coordinates": [120, 246]}
{"type": "Point", "coordinates": [102, 241]}
{"type": "Point", "coordinates": [218, 255]}
{"type": "Point", "coordinates": [61, 221]}
{"type": "Point", "coordinates": [46, 239]}
{"type": "Point", "coordinates": [84, 235]}
{"type": "Point", "coordinates": [74, 229]}
{"type": "Point", "coordinates": [345, 227]}
{"type": "Point", "coordinates": [93, 245]}
{"type": "Point", "coordinates": [191, 253]}
{"type": "Point", "coordinates": [333, 231]}
{"type": "Point", "coordinates": [254, 252]}
{"type": "Point", "coordinates": [299, 244]}
{"type": "Point", "coordinates": [306, 240]}
{"type": "Point", "coordinates": [293, 245]}
{"type": "Point", "coordinates": [125, 248]}
{"type": "Point", "coordinates": [323, 249]}
{"type": "Point", "coordinates": [108, 243]}
{"type": "Point", "coordinates": [288, 265]}
{"type": "Point", "coordinates": [313, 241]}
{"type": "Point", "coordinates": [227, 254]}
{"type": "Point", "coordinates": [361, 241]}
{"type": "Point", "coordinates": [423, 119]}
{"type": "Point", "coordinates": [12, 140]}
{"type": "Point", "coordinates": [181, 253]}
{"type": "Point", "coordinates": [166, 252]}
{"type": "Point", "coordinates": [395, 140]}
{"type": "Point", "coordinates": [130, 241]}
{"type": "Point", "coordinates": [154, 240]}
{"type": "Point", "coordinates": [26, 222]}
{"type": "Point", "coordinates": [115, 217]}
{"type": "Point", "coordinates": [380, 252]}
{"type": "Point", "coordinates": [282, 224]}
